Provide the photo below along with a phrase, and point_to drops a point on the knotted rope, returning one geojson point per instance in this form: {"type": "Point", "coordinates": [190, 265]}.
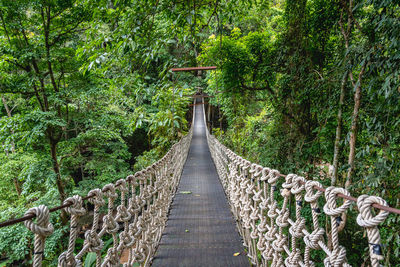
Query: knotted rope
{"type": "Point", "coordinates": [260, 200]}
{"type": "Point", "coordinates": [67, 258]}
{"type": "Point", "coordinates": [42, 228]}
{"type": "Point", "coordinates": [135, 225]}
{"type": "Point", "coordinates": [370, 222]}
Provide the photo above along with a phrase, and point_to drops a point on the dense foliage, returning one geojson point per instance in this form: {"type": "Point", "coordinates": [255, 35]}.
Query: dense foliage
{"type": "Point", "coordinates": [312, 87]}
{"type": "Point", "coordinates": [81, 106]}
{"type": "Point", "coordinates": [304, 86]}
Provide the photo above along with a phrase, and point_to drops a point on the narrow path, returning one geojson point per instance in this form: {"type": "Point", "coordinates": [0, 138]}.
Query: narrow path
{"type": "Point", "coordinates": [200, 229]}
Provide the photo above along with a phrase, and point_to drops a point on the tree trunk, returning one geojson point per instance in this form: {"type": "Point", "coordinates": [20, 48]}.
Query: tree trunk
{"type": "Point", "coordinates": [56, 168]}
{"type": "Point", "coordinates": [354, 127]}
{"type": "Point", "coordinates": [220, 117]}
{"type": "Point", "coordinates": [17, 183]}
{"type": "Point", "coordinates": [9, 115]}
{"type": "Point", "coordinates": [17, 186]}
{"type": "Point", "coordinates": [59, 183]}
{"type": "Point", "coordinates": [336, 152]}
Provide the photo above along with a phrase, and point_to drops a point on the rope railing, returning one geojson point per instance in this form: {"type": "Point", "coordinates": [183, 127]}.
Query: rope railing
{"type": "Point", "coordinates": [135, 225]}
{"type": "Point", "coordinates": [275, 237]}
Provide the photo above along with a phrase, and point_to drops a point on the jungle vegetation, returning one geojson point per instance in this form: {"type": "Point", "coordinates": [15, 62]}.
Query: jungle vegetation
{"type": "Point", "coordinates": [304, 86]}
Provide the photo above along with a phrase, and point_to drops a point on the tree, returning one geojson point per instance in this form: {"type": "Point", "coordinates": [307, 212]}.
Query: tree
{"type": "Point", "coordinates": [39, 66]}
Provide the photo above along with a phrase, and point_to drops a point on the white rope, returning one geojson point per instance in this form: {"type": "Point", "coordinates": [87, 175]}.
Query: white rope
{"type": "Point", "coordinates": [42, 228]}
{"type": "Point", "coordinates": [260, 199]}
{"type": "Point", "coordinates": [370, 222]}
{"type": "Point", "coordinates": [135, 225]}
{"type": "Point", "coordinates": [76, 210]}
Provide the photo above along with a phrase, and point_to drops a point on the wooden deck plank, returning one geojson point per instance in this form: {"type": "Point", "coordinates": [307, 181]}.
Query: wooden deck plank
{"type": "Point", "coordinates": [201, 230]}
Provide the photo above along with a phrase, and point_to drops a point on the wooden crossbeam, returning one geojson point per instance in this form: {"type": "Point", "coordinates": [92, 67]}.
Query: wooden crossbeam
{"type": "Point", "coordinates": [194, 68]}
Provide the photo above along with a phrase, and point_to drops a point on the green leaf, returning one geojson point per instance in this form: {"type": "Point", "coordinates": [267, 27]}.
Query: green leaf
{"type": "Point", "coordinates": [90, 259]}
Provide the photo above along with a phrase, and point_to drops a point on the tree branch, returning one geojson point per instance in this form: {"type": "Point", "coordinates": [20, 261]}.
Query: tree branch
{"type": "Point", "coordinates": [267, 87]}
{"type": "Point", "coordinates": [69, 31]}
{"type": "Point", "coordinates": [25, 68]}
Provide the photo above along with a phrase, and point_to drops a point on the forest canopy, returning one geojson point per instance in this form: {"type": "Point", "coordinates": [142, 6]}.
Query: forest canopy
{"type": "Point", "coordinates": [304, 86]}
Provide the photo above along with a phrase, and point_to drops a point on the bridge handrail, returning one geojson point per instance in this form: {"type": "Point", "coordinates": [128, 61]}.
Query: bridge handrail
{"type": "Point", "coordinates": [144, 198]}
{"type": "Point", "coordinates": [266, 225]}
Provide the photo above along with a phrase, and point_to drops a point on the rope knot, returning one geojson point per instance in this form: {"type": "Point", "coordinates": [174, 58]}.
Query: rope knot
{"type": "Point", "coordinates": [139, 253]}
{"type": "Point", "coordinates": [330, 207]}
{"type": "Point", "coordinates": [367, 220]}
{"type": "Point", "coordinates": [337, 258]}
{"type": "Point", "coordinates": [254, 213]}
{"type": "Point", "coordinates": [112, 257]}
{"type": "Point", "coordinates": [123, 214]}
{"type": "Point", "coordinates": [133, 207]}
{"type": "Point", "coordinates": [285, 192]}
{"type": "Point", "coordinates": [272, 210]}
{"type": "Point", "coordinates": [273, 176]}
{"type": "Point", "coordinates": [246, 207]}
{"type": "Point", "coordinates": [264, 203]}
{"type": "Point", "coordinates": [246, 223]}
{"type": "Point", "coordinates": [310, 196]}
{"type": "Point", "coordinates": [268, 253]}
{"type": "Point", "coordinates": [109, 191]}
{"type": "Point", "coordinates": [265, 173]}
{"type": "Point", "coordinates": [255, 169]}
{"type": "Point", "coordinates": [121, 185]}
{"type": "Point", "coordinates": [126, 239]}
{"type": "Point", "coordinates": [278, 244]}
{"type": "Point", "coordinates": [135, 230]}
{"type": "Point", "coordinates": [42, 227]}
{"type": "Point", "coordinates": [249, 188]}
{"type": "Point", "coordinates": [254, 233]}
{"type": "Point", "coordinates": [64, 261]}
{"type": "Point", "coordinates": [293, 259]}
{"type": "Point", "coordinates": [131, 179]}
{"type": "Point", "coordinates": [76, 205]}
{"type": "Point", "coordinates": [140, 176]}
{"type": "Point", "coordinates": [111, 225]}
{"type": "Point", "coordinates": [270, 235]}
{"type": "Point", "coordinates": [245, 164]}
{"type": "Point", "coordinates": [94, 241]}
{"type": "Point", "coordinates": [257, 195]}
{"type": "Point", "coordinates": [296, 229]}
{"type": "Point", "coordinates": [261, 227]}
{"type": "Point", "coordinates": [312, 239]}
{"type": "Point", "coordinates": [261, 244]}
{"type": "Point", "coordinates": [289, 181]}
{"type": "Point", "coordinates": [282, 219]}
{"type": "Point", "coordinates": [243, 183]}
{"type": "Point", "coordinates": [96, 197]}
{"type": "Point", "coordinates": [298, 185]}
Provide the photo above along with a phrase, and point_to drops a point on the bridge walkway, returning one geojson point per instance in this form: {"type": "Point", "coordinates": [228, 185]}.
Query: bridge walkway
{"type": "Point", "coordinates": [201, 230]}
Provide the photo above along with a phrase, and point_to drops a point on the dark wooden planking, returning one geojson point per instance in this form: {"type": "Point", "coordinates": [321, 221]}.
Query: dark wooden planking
{"type": "Point", "coordinates": [201, 230]}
